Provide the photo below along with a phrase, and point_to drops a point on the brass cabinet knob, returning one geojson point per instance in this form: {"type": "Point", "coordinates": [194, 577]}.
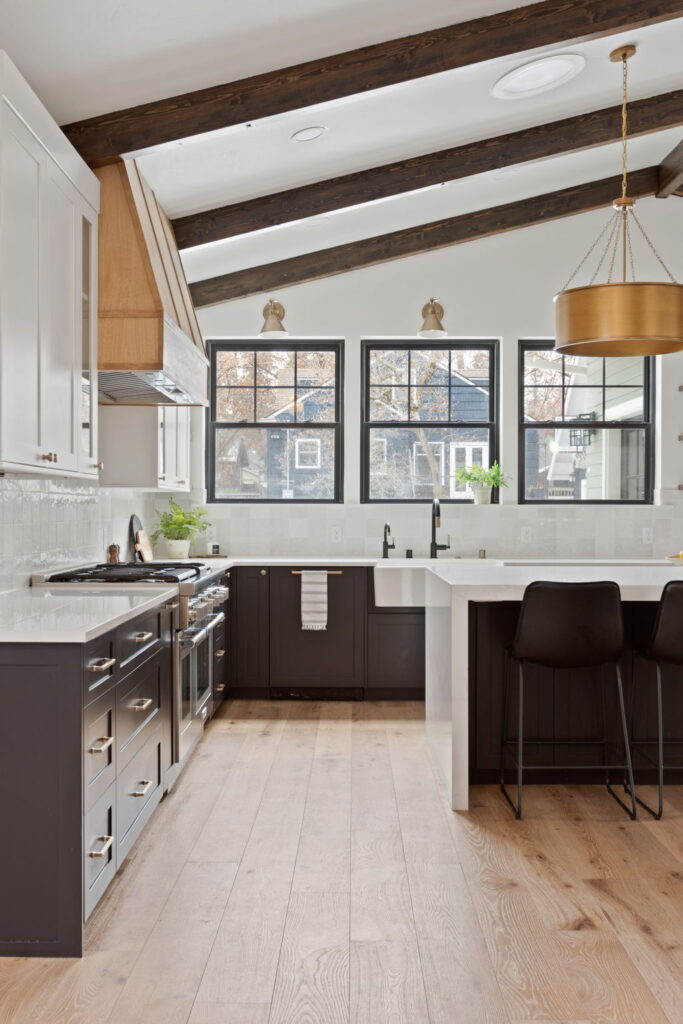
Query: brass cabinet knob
{"type": "Point", "coordinates": [98, 465]}
{"type": "Point", "coordinates": [264, 572]}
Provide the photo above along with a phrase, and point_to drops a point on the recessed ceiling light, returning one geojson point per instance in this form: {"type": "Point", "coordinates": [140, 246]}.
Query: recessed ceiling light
{"type": "Point", "coordinates": [309, 134]}
{"type": "Point", "coordinates": [538, 76]}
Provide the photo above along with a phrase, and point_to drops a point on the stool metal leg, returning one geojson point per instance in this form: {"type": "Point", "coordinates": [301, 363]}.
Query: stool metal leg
{"type": "Point", "coordinates": [660, 750]}
{"type": "Point", "coordinates": [633, 810]}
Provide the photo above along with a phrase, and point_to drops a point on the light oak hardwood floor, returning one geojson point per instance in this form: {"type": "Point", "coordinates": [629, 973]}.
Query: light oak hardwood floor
{"type": "Point", "coordinates": [307, 870]}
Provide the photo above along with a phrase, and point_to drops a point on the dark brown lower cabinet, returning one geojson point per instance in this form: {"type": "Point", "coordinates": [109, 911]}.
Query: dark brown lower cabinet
{"type": "Point", "coordinates": [250, 631]}
{"type": "Point", "coordinates": [396, 656]}
{"type": "Point", "coordinates": [84, 745]}
{"type": "Point", "coordinates": [365, 651]}
{"type": "Point", "coordinates": [324, 663]}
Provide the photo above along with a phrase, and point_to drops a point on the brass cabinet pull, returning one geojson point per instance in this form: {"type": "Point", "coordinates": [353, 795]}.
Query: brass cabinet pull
{"type": "Point", "coordinates": [101, 665]}
{"type": "Point", "coordinates": [98, 465]}
{"type": "Point", "coordinates": [49, 457]}
{"type": "Point", "coordinates": [220, 687]}
{"type": "Point", "coordinates": [182, 481]}
{"type": "Point", "coordinates": [146, 785]}
{"type": "Point", "coordinates": [107, 841]}
{"type": "Point", "coordinates": [219, 654]}
{"type": "Point", "coordinates": [141, 704]}
{"type": "Point", "coordinates": [99, 746]}
{"type": "Point", "coordinates": [171, 606]}
{"type": "Point", "coordinates": [142, 638]}
{"type": "Point", "coordinates": [330, 572]}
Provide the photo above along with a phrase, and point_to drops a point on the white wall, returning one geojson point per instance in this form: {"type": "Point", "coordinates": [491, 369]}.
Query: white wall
{"type": "Point", "coordinates": [495, 287]}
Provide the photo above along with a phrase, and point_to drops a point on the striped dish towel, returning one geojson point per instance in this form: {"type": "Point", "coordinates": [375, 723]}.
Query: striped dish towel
{"type": "Point", "coordinates": [314, 600]}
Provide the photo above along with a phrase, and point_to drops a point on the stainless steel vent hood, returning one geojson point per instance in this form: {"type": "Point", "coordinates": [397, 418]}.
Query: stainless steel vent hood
{"type": "Point", "coordinates": [151, 350]}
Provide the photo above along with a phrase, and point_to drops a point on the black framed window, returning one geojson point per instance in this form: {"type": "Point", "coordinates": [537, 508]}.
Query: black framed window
{"type": "Point", "coordinates": [275, 422]}
{"type": "Point", "coordinates": [429, 409]}
{"type": "Point", "coordinates": [586, 431]}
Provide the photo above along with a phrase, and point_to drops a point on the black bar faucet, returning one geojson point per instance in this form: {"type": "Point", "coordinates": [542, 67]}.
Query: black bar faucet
{"type": "Point", "coordinates": [434, 548]}
{"type": "Point", "coordinates": [386, 546]}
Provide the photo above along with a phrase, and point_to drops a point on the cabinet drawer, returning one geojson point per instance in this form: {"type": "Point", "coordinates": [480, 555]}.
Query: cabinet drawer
{"type": "Point", "coordinates": [99, 747]}
{"type": "Point", "coordinates": [138, 791]}
{"type": "Point", "coordinates": [138, 639]}
{"type": "Point", "coordinates": [100, 667]}
{"type": "Point", "coordinates": [99, 849]}
{"type": "Point", "coordinates": [138, 708]}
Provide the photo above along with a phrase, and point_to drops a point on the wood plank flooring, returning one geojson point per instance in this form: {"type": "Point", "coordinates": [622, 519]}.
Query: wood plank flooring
{"type": "Point", "coordinates": [307, 870]}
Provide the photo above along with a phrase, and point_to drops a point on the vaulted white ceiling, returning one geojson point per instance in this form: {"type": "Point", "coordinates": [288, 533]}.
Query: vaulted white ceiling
{"type": "Point", "coordinates": [87, 57]}
{"type": "Point", "coordinates": [396, 122]}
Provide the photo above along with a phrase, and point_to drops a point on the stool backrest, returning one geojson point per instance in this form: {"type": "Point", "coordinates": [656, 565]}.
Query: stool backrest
{"type": "Point", "coordinates": [570, 625]}
{"type": "Point", "coordinates": [667, 637]}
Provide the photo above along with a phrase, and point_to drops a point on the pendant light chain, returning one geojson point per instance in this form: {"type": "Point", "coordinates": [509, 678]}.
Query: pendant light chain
{"type": "Point", "coordinates": [613, 223]}
{"type": "Point", "coordinates": [624, 126]}
{"type": "Point", "coordinates": [582, 262]}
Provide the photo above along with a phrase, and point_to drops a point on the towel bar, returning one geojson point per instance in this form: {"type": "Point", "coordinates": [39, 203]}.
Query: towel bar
{"type": "Point", "coordinates": [330, 572]}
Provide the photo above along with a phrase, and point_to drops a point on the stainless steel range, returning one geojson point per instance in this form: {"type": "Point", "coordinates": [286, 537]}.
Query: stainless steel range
{"type": "Point", "coordinates": [195, 579]}
{"type": "Point", "coordinates": [202, 592]}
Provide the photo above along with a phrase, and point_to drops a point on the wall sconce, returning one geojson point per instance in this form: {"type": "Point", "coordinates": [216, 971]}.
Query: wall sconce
{"type": "Point", "coordinates": [432, 315]}
{"type": "Point", "coordinates": [273, 326]}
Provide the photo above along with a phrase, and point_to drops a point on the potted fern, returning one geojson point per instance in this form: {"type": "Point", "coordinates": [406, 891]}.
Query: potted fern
{"type": "Point", "coordinates": [179, 527]}
{"type": "Point", "coordinates": [481, 480]}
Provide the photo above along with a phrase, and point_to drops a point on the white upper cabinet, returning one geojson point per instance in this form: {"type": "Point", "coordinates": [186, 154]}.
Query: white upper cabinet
{"type": "Point", "coordinates": [48, 305]}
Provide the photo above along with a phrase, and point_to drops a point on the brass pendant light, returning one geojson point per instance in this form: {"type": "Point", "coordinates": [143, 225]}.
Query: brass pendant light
{"type": "Point", "coordinates": [627, 317]}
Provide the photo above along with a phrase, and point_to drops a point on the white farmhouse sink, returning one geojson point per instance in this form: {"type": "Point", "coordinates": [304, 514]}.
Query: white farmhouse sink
{"type": "Point", "coordinates": [401, 583]}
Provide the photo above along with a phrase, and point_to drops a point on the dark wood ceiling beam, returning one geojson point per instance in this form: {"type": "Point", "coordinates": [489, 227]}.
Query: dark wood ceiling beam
{"type": "Point", "coordinates": [103, 138]}
{"type": "Point", "coordinates": [596, 128]}
{"type": "Point", "coordinates": [410, 241]}
{"type": "Point", "coordinates": [671, 172]}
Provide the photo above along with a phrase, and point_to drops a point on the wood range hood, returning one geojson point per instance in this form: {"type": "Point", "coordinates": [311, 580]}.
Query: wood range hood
{"type": "Point", "coordinates": [151, 350]}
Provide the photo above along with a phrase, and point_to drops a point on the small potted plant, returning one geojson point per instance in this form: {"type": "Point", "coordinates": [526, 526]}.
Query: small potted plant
{"type": "Point", "coordinates": [179, 528]}
{"type": "Point", "coordinates": [480, 481]}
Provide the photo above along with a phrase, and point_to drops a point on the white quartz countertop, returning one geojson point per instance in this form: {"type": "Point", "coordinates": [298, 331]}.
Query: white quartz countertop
{"type": "Point", "coordinates": [76, 614]}
{"type": "Point", "coordinates": [72, 615]}
{"type": "Point", "coordinates": [505, 580]}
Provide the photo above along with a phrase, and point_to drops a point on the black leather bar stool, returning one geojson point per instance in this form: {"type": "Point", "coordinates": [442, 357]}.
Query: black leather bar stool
{"type": "Point", "coordinates": [665, 646]}
{"type": "Point", "coordinates": [567, 625]}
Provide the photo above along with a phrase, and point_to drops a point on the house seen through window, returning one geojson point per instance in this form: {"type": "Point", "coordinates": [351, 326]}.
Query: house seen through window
{"type": "Point", "coordinates": [428, 410]}
{"type": "Point", "coordinates": [586, 427]}
{"type": "Point", "coordinates": [275, 422]}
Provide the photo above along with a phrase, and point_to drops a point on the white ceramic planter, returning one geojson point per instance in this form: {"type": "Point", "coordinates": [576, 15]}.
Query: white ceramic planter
{"type": "Point", "coordinates": [482, 495]}
{"type": "Point", "coordinates": [177, 548]}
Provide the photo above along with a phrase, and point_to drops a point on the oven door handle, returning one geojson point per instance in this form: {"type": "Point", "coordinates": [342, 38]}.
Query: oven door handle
{"type": "Point", "coordinates": [216, 618]}
{"type": "Point", "coordinates": [194, 641]}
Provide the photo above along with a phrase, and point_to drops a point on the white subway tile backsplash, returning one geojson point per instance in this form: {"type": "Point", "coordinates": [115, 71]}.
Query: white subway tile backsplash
{"type": "Point", "coordinates": [46, 523]}
{"type": "Point", "coordinates": [589, 531]}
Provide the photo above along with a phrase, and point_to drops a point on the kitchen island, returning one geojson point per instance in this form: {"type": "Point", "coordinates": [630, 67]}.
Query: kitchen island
{"type": "Point", "coordinates": [454, 592]}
